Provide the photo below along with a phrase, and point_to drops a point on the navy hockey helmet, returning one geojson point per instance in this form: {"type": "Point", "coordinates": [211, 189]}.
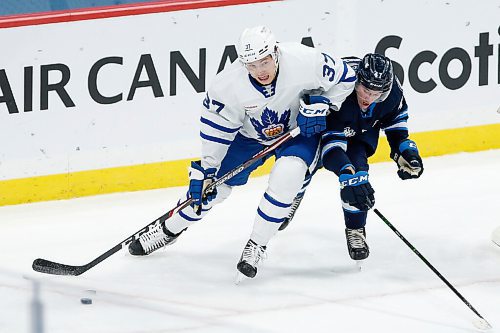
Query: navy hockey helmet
{"type": "Point", "coordinates": [375, 73]}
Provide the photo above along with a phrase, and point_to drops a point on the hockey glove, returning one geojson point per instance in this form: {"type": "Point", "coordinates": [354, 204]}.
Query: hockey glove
{"type": "Point", "coordinates": [199, 180]}
{"type": "Point", "coordinates": [356, 191]}
{"type": "Point", "coordinates": [409, 161]}
{"type": "Point", "coordinates": [312, 115]}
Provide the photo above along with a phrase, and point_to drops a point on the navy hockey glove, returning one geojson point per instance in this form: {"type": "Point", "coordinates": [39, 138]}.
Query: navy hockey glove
{"type": "Point", "coordinates": [312, 115]}
{"type": "Point", "coordinates": [409, 161]}
{"type": "Point", "coordinates": [199, 179]}
{"type": "Point", "coordinates": [356, 191]}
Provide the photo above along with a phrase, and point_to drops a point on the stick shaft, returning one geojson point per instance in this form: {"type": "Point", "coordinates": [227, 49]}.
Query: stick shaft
{"type": "Point", "coordinates": [448, 284]}
{"type": "Point", "coordinates": [50, 267]}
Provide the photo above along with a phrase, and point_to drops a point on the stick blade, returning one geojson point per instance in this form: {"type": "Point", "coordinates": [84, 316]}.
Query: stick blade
{"type": "Point", "coordinates": [50, 267]}
{"type": "Point", "coordinates": [495, 236]}
{"type": "Point", "coordinates": [482, 324]}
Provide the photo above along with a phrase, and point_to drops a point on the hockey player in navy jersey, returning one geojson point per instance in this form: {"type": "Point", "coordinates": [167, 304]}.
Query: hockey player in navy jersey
{"type": "Point", "coordinates": [272, 89]}
{"type": "Point", "coordinates": [377, 103]}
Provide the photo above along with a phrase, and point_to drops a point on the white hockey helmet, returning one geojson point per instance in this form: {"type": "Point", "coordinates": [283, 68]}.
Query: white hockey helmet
{"type": "Point", "coordinates": [257, 43]}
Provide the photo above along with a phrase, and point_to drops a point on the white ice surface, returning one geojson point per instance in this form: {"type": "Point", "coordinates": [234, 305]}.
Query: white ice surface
{"type": "Point", "coordinates": [308, 283]}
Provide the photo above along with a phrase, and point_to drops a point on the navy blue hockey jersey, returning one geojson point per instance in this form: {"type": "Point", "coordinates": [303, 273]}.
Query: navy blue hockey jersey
{"type": "Point", "coordinates": [350, 124]}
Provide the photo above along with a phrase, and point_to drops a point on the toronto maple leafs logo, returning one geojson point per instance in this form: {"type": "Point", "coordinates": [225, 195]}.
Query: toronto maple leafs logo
{"type": "Point", "coordinates": [270, 127]}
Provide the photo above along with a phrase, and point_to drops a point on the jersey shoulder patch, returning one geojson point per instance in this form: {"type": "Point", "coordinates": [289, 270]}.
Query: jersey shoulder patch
{"type": "Point", "coordinates": [353, 62]}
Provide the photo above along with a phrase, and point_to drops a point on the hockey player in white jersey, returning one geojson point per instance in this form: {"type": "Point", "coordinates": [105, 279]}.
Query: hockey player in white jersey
{"type": "Point", "coordinates": [272, 89]}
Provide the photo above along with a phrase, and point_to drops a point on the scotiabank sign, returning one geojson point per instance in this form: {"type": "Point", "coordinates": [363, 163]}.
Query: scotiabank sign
{"type": "Point", "coordinates": [483, 50]}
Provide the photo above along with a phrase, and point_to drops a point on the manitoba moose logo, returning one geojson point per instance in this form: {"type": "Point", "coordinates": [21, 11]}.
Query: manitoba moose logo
{"type": "Point", "coordinates": [270, 126]}
{"type": "Point", "coordinates": [348, 132]}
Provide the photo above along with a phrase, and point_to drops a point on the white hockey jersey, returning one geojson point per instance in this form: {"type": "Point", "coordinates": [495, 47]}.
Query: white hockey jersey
{"type": "Point", "coordinates": [237, 103]}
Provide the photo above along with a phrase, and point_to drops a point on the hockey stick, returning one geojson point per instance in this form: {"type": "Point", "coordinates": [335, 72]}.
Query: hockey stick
{"type": "Point", "coordinates": [50, 267]}
{"type": "Point", "coordinates": [481, 323]}
{"type": "Point", "coordinates": [495, 236]}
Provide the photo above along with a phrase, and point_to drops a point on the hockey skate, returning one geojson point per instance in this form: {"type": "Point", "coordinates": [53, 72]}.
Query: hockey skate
{"type": "Point", "coordinates": [250, 258]}
{"type": "Point", "coordinates": [356, 244]}
{"type": "Point", "coordinates": [295, 205]}
{"type": "Point", "coordinates": [156, 237]}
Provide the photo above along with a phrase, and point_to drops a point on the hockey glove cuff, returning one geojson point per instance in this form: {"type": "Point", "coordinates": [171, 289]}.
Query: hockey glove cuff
{"type": "Point", "coordinates": [199, 180]}
{"type": "Point", "coordinates": [312, 115]}
{"type": "Point", "coordinates": [408, 160]}
{"type": "Point", "coordinates": [356, 191]}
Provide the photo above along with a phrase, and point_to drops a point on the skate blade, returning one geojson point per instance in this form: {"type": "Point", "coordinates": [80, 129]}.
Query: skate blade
{"type": "Point", "coordinates": [240, 277]}
{"type": "Point", "coordinates": [359, 265]}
